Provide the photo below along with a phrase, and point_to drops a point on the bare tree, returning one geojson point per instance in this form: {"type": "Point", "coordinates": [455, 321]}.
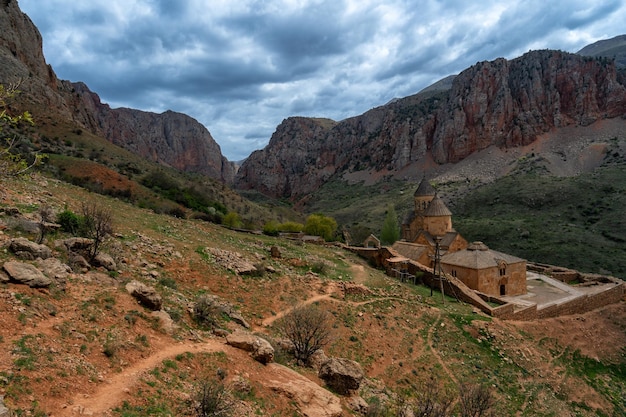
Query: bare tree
{"type": "Point", "coordinates": [47, 216]}
{"type": "Point", "coordinates": [475, 400]}
{"type": "Point", "coordinates": [433, 401]}
{"type": "Point", "coordinates": [97, 225]}
{"type": "Point", "coordinates": [308, 328]}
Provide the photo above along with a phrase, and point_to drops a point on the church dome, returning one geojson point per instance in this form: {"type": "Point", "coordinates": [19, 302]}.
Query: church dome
{"type": "Point", "coordinates": [437, 208]}
{"type": "Point", "coordinates": [424, 189]}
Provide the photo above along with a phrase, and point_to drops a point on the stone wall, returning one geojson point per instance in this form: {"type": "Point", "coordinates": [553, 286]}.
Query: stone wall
{"type": "Point", "coordinates": [506, 311]}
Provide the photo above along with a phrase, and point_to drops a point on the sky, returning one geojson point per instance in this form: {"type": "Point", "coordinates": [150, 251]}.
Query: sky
{"type": "Point", "coordinates": [240, 67]}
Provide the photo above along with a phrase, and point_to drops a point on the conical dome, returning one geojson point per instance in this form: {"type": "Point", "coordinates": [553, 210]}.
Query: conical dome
{"type": "Point", "coordinates": [437, 208]}
{"type": "Point", "coordinates": [424, 189]}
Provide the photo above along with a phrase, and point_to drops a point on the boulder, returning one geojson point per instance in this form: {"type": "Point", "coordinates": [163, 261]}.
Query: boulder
{"type": "Point", "coordinates": [55, 270]}
{"type": "Point", "coordinates": [311, 399]}
{"type": "Point", "coordinates": [227, 309]}
{"type": "Point", "coordinates": [167, 324]}
{"type": "Point", "coordinates": [342, 375]}
{"type": "Point", "coordinates": [74, 244]}
{"type": "Point", "coordinates": [27, 274]}
{"type": "Point", "coordinates": [146, 295]}
{"type": "Point", "coordinates": [357, 404]}
{"type": "Point", "coordinates": [106, 261]}
{"type": "Point", "coordinates": [262, 351]}
{"type": "Point", "coordinates": [317, 359]}
{"type": "Point", "coordinates": [26, 249]}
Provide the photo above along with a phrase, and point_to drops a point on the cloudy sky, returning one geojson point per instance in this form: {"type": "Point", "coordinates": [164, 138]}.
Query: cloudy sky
{"type": "Point", "coordinates": [241, 66]}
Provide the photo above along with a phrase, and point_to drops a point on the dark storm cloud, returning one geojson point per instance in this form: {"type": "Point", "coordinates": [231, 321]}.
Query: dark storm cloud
{"type": "Point", "coordinates": [241, 67]}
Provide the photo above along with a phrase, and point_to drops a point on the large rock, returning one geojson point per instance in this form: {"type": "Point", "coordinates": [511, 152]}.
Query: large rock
{"type": "Point", "coordinates": [23, 273]}
{"type": "Point", "coordinates": [262, 351]}
{"type": "Point", "coordinates": [105, 260]}
{"type": "Point", "coordinates": [146, 295]}
{"type": "Point", "coordinates": [26, 249]}
{"type": "Point", "coordinates": [311, 399]}
{"type": "Point", "coordinates": [342, 375]}
{"type": "Point", "coordinates": [74, 244]}
{"type": "Point", "coordinates": [55, 270]}
{"type": "Point", "coordinates": [227, 309]}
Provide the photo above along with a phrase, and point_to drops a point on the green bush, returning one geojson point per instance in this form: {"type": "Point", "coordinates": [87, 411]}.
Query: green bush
{"type": "Point", "coordinates": [70, 222]}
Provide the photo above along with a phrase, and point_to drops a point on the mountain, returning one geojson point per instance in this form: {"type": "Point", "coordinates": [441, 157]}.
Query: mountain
{"type": "Point", "coordinates": [614, 48]}
{"type": "Point", "coordinates": [503, 103]}
{"type": "Point", "coordinates": [170, 138]}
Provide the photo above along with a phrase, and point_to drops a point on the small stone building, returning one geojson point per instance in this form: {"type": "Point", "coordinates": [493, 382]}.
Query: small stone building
{"type": "Point", "coordinates": [487, 271]}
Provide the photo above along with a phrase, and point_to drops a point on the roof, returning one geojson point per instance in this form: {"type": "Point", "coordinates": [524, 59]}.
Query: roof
{"type": "Point", "coordinates": [424, 189]}
{"type": "Point", "coordinates": [479, 256]}
{"type": "Point", "coordinates": [446, 240]}
{"type": "Point", "coordinates": [437, 208]}
{"type": "Point", "coordinates": [410, 250]}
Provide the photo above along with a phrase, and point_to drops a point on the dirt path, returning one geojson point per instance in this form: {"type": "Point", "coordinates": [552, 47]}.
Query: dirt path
{"type": "Point", "coordinates": [268, 321]}
{"type": "Point", "coordinates": [110, 395]}
{"type": "Point", "coordinates": [429, 340]}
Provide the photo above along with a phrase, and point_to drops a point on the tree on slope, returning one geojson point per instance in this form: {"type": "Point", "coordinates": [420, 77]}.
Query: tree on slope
{"type": "Point", "coordinates": [391, 231]}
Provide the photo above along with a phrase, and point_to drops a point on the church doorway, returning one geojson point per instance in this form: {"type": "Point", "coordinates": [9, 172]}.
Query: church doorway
{"type": "Point", "coordinates": [502, 289]}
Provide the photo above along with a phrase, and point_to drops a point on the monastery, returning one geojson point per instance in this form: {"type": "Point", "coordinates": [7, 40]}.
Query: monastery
{"type": "Point", "coordinates": [429, 225]}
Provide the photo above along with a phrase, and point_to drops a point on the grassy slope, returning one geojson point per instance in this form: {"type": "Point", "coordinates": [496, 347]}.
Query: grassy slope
{"type": "Point", "coordinates": [574, 222]}
{"type": "Point", "coordinates": [403, 338]}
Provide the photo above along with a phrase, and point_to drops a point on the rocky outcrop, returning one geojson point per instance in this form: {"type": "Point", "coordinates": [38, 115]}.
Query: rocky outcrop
{"type": "Point", "coordinates": [341, 375]}
{"type": "Point", "coordinates": [503, 103]}
{"type": "Point", "coordinates": [146, 295]}
{"type": "Point", "coordinates": [311, 399]}
{"type": "Point", "coordinates": [171, 139]}
{"type": "Point", "coordinates": [27, 274]}
{"type": "Point", "coordinates": [261, 350]}
{"type": "Point", "coordinates": [26, 249]}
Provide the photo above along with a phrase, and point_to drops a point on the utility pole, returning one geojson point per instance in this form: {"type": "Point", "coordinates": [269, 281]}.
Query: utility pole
{"type": "Point", "coordinates": [438, 268]}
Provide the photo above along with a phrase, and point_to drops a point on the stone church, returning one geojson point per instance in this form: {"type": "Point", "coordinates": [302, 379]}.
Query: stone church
{"type": "Point", "coordinates": [478, 267]}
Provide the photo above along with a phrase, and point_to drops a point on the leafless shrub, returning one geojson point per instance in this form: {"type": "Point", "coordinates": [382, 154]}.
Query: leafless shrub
{"type": "Point", "coordinates": [213, 399]}
{"type": "Point", "coordinates": [97, 224]}
{"type": "Point", "coordinates": [475, 400]}
{"type": "Point", "coordinates": [433, 401]}
{"type": "Point", "coordinates": [308, 328]}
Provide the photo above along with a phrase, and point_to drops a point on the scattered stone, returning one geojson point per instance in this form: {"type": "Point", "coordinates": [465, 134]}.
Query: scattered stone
{"type": "Point", "coordinates": [342, 375]}
{"type": "Point", "coordinates": [27, 274]}
{"type": "Point", "coordinates": [167, 324]}
{"type": "Point", "coordinates": [317, 359]}
{"type": "Point", "coordinates": [146, 295]}
{"type": "Point", "coordinates": [357, 404]}
{"type": "Point", "coordinates": [262, 351]}
{"type": "Point", "coordinates": [4, 411]}
{"type": "Point", "coordinates": [233, 261]}
{"type": "Point", "coordinates": [221, 332]}
{"type": "Point", "coordinates": [26, 249]}
{"type": "Point", "coordinates": [106, 261]}
{"type": "Point", "coordinates": [55, 269]}
{"type": "Point", "coordinates": [74, 244]}
{"type": "Point", "coordinates": [275, 252]}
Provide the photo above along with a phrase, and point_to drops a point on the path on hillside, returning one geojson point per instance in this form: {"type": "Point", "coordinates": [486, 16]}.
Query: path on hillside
{"type": "Point", "coordinates": [110, 394]}
{"type": "Point", "coordinates": [429, 341]}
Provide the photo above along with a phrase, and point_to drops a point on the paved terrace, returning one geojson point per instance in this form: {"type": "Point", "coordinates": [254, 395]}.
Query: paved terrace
{"type": "Point", "coordinates": [544, 291]}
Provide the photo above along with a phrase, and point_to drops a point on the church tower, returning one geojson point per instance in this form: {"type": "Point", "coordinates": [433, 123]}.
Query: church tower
{"type": "Point", "coordinates": [415, 220]}
{"type": "Point", "coordinates": [437, 218]}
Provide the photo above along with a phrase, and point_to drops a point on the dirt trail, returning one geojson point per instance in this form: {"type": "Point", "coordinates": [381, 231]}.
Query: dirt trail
{"type": "Point", "coordinates": [436, 353]}
{"type": "Point", "coordinates": [110, 395]}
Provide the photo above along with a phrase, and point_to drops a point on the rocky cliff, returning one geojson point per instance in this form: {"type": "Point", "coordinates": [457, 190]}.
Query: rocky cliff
{"type": "Point", "coordinates": [504, 103]}
{"type": "Point", "coordinates": [170, 138]}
